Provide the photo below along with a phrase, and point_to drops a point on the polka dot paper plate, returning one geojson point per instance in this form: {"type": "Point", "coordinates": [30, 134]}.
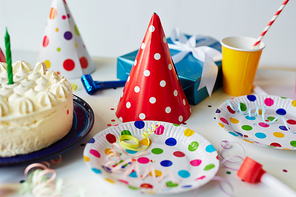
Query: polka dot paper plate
{"type": "Point", "coordinates": [189, 157]}
{"type": "Point", "coordinates": [263, 120]}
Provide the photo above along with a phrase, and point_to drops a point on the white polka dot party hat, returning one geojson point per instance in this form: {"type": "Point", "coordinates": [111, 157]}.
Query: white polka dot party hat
{"type": "Point", "coordinates": [63, 50]}
{"type": "Point", "coordinates": [153, 90]}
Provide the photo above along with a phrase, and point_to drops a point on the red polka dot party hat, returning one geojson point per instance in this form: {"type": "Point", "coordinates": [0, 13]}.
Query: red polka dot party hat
{"type": "Point", "coordinates": [2, 57]}
{"type": "Point", "coordinates": [63, 50]}
{"type": "Point", "coordinates": [153, 90]}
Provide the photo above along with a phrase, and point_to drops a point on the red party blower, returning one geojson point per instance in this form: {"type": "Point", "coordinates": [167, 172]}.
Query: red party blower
{"type": "Point", "coordinates": [252, 172]}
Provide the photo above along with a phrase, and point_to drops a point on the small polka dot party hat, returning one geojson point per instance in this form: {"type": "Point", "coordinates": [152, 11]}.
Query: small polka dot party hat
{"type": "Point", "coordinates": [63, 50]}
{"type": "Point", "coordinates": [153, 90]}
{"type": "Point", "coordinates": [2, 57]}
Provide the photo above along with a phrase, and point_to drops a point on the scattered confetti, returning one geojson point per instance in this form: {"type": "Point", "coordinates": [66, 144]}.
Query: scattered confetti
{"type": "Point", "coordinates": [58, 160]}
{"type": "Point", "coordinates": [74, 86]}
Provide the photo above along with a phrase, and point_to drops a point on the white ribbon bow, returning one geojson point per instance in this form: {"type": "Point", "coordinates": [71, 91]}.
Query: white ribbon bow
{"type": "Point", "coordinates": [203, 53]}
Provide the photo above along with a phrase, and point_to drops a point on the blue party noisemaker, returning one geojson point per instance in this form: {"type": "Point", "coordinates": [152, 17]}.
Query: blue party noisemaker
{"type": "Point", "coordinates": [92, 86]}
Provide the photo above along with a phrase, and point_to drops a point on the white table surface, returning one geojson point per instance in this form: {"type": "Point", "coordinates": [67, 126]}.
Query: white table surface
{"type": "Point", "coordinates": [77, 175]}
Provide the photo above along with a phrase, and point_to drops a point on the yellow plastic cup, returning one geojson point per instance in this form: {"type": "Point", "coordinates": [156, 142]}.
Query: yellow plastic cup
{"type": "Point", "coordinates": [239, 64]}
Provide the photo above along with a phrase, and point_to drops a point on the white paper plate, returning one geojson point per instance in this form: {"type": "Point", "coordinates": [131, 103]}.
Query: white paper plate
{"type": "Point", "coordinates": [189, 156]}
{"type": "Point", "coordinates": [253, 129]}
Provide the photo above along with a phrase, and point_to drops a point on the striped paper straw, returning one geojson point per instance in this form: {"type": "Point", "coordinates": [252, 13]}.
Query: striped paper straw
{"type": "Point", "coordinates": [270, 23]}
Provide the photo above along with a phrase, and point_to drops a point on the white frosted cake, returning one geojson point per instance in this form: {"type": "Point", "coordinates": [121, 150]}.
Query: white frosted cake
{"type": "Point", "coordinates": [35, 111]}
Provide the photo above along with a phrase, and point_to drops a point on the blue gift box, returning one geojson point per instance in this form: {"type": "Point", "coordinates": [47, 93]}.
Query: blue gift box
{"type": "Point", "coordinates": [189, 71]}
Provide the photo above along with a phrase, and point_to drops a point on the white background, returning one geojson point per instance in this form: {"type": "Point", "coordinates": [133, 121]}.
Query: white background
{"type": "Point", "coordinates": [111, 28]}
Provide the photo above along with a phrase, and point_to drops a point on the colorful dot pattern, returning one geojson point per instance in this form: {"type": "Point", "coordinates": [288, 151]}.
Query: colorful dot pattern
{"type": "Point", "coordinates": [194, 164]}
{"type": "Point", "coordinates": [155, 83]}
{"type": "Point", "coordinates": [61, 39]}
{"type": "Point", "coordinates": [253, 129]}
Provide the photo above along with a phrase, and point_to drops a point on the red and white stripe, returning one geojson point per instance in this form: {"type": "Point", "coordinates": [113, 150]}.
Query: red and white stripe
{"type": "Point", "coordinates": [270, 23]}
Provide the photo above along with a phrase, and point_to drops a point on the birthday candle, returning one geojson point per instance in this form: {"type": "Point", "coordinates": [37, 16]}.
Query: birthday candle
{"type": "Point", "coordinates": [8, 58]}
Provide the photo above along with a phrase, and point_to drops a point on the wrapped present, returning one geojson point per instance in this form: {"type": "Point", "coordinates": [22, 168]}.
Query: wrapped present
{"type": "Point", "coordinates": [197, 60]}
